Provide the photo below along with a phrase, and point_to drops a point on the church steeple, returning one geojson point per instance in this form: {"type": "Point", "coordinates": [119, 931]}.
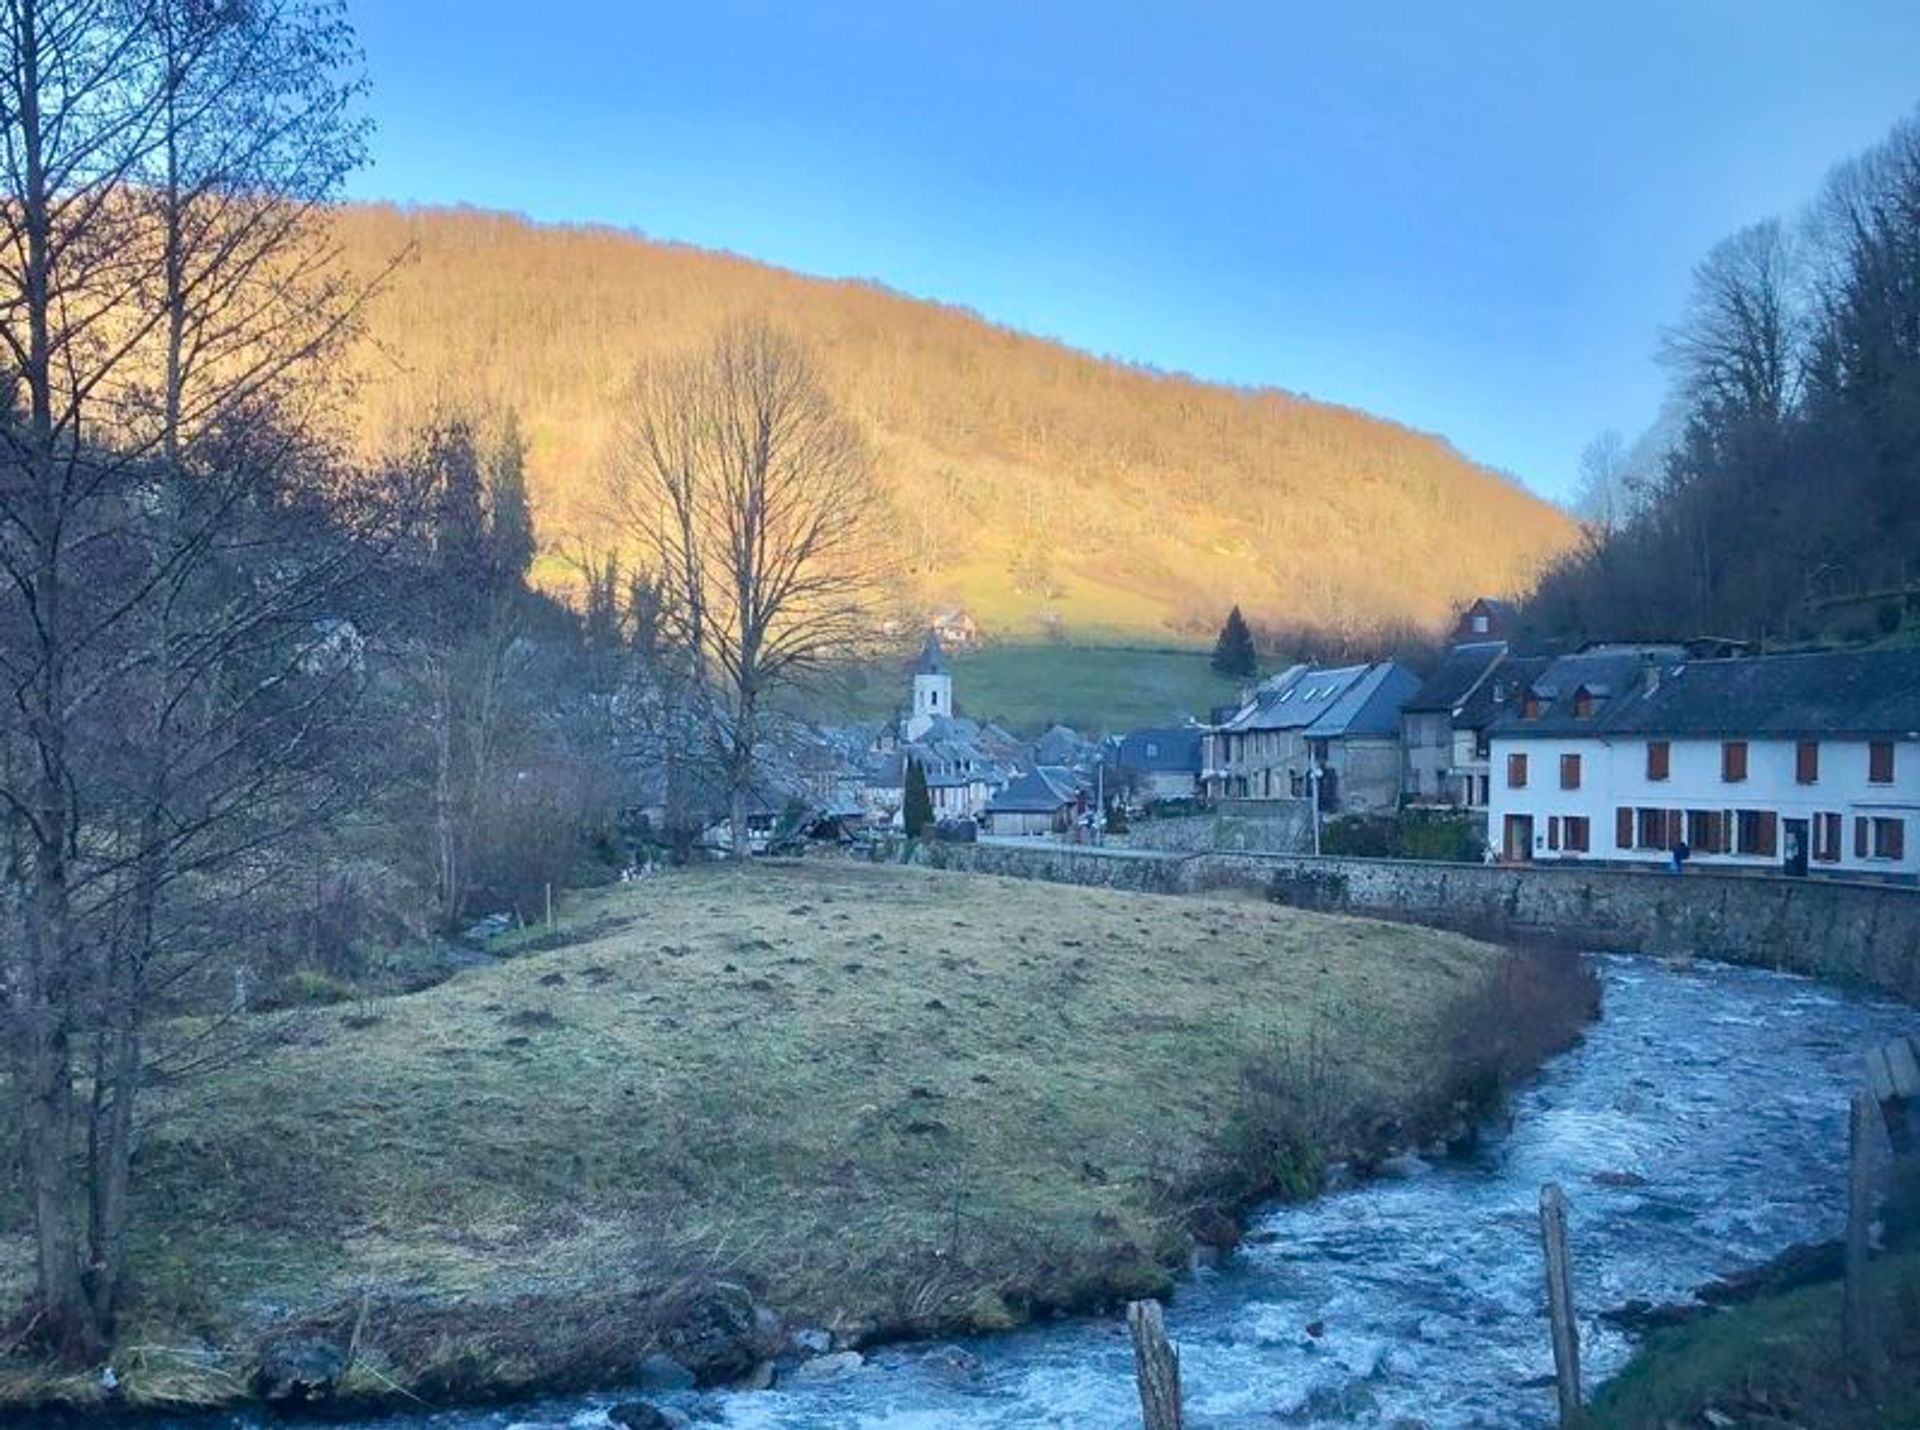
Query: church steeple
{"type": "Point", "coordinates": [932, 688]}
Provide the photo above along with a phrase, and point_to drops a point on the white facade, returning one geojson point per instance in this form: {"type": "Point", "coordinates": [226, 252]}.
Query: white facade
{"type": "Point", "coordinates": [932, 698]}
{"type": "Point", "coordinates": [1851, 810]}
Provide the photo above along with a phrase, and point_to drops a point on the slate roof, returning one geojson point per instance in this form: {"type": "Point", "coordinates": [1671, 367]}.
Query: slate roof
{"type": "Point", "coordinates": [1828, 693]}
{"type": "Point", "coordinates": [1831, 693]}
{"type": "Point", "coordinates": [1370, 706]}
{"type": "Point", "coordinates": [1175, 749]}
{"type": "Point", "coordinates": [932, 660]}
{"type": "Point", "coordinates": [1494, 696]}
{"type": "Point", "coordinates": [1330, 703]}
{"type": "Point", "coordinates": [1460, 673]}
{"type": "Point", "coordinates": [1294, 699]}
{"type": "Point", "coordinates": [1615, 676]}
{"type": "Point", "coordinates": [1041, 790]}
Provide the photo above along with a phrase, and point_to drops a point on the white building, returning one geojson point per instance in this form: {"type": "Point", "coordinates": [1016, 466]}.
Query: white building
{"type": "Point", "coordinates": [932, 689]}
{"type": "Point", "coordinates": [1805, 763]}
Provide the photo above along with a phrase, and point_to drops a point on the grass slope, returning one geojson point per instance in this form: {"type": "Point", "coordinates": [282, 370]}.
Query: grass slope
{"type": "Point", "coordinates": [1027, 687]}
{"type": "Point", "coordinates": [1029, 481]}
{"type": "Point", "coordinates": [1775, 1362]}
{"type": "Point", "coordinates": [887, 1099]}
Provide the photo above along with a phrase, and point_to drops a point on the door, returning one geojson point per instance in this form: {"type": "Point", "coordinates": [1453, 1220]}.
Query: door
{"type": "Point", "coordinates": [1793, 846]}
{"type": "Point", "coordinates": [1517, 841]}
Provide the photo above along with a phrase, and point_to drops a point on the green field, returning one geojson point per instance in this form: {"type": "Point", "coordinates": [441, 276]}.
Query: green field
{"type": "Point", "coordinates": [887, 1100]}
{"type": "Point", "coordinates": [1027, 687]}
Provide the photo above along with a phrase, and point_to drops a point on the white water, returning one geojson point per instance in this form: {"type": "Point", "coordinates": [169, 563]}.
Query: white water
{"type": "Point", "coordinates": [1724, 1088]}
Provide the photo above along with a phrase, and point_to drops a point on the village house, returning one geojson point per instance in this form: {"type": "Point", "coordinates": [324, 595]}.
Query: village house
{"type": "Point", "coordinates": [1338, 728]}
{"type": "Point", "coordinates": [1048, 799]}
{"type": "Point", "coordinates": [1159, 764]}
{"type": "Point", "coordinates": [1443, 728]}
{"type": "Point", "coordinates": [1486, 619]}
{"type": "Point", "coordinates": [1802, 763]}
{"type": "Point", "coordinates": [954, 628]}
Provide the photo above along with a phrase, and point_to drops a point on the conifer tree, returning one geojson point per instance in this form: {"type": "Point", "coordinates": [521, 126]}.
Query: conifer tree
{"type": "Point", "coordinates": [919, 805]}
{"type": "Point", "coordinates": [1233, 653]}
{"type": "Point", "coordinates": [512, 516]}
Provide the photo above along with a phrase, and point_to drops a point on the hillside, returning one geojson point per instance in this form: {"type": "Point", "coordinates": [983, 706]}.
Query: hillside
{"type": "Point", "coordinates": [1033, 481]}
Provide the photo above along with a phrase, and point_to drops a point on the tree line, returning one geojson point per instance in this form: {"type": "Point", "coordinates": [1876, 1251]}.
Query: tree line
{"type": "Point", "coordinates": [273, 703]}
{"type": "Point", "coordinates": [1782, 485]}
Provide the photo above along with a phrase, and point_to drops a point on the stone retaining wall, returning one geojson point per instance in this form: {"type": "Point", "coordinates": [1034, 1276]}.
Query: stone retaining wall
{"type": "Point", "coordinates": [1867, 934]}
{"type": "Point", "coordinates": [1284, 827]}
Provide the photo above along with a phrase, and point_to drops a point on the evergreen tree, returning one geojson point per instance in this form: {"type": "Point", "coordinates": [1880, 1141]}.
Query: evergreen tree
{"type": "Point", "coordinates": [1233, 653]}
{"type": "Point", "coordinates": [919, 806]}
{"type": "Point", "coordinates": [511, 527]}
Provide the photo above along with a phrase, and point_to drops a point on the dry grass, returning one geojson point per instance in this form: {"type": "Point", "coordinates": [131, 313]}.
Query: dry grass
{"type": "Point", "coordinates": [1030, 479]}
{"type": "Point", "coordinates": [888, 1099]}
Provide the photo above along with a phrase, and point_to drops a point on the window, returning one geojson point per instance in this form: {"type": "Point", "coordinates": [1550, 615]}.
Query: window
{"type": "Point", "coordinates": [1153, 750]}
{"type": "Point", "coordinates": [1757, 831]}
{"type": "Point", "coordinates": [1577, 833]}
{"type": "Point", "coordinates": [1553, 832]}
{"type": "Point", "coordinates": [1623, 828]}
{"type": "Point", "coordinates": [1826, 838]}
{"type": "Point", "coordinates": [1659, 759]}
{"type": "Point", "coordinates": [1733, 761]}
{"type": "Point", "coordinates": [1880, 762]}
{"type": "Point", "coordinates": [1516, 771]}
{"type": "Point", "coordinates": [1652, 829]}
{"type": "Point", "coordinates": [1482, 746]}
{"type": "Point", "coordinates": [1480, 625]}
{"type": "Point", "coordinates": [1889, 839]}
{"type": "Point", "coordinates": [1583, 704]}
{"type": "Point", "coordinates": [1806, 762]}
{"type": "Point", "coordinates": [1569, 772]}
{"type": "Point", "coordinates": [1707, 831]}
{"type": "Point", "coordinates": [1530, 706]}
{"type": "Point", "coordinates": [933, 699]}
{"type": "Point", "coordinates": [1860, 836]}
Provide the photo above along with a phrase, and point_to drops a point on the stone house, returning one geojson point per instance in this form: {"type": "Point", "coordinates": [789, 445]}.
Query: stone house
{"type": "Point", "coordinates": [1337, 729]}
{"type": "Point", "coordinates": [1443, 728]}
{"type": "Point", "coordinates": [1162, 763]}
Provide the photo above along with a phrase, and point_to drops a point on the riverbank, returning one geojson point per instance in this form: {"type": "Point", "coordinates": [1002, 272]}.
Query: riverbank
{"type": "Point", "coordinates": [1775, 1361]}
{"type": "Point", "coordinates": [871, 1102]}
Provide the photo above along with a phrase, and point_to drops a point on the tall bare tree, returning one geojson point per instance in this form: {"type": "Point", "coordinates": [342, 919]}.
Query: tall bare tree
{"type": "Point", "coordinates": [754, 500]}
{"type": "Point", "coordinates": [166, 541]}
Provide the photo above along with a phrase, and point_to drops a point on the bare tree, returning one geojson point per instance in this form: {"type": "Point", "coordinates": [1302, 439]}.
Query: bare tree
{"type": "Point", "coordinates": [754, 500]}
{"type": "Point", "coordinates": [166, 543]}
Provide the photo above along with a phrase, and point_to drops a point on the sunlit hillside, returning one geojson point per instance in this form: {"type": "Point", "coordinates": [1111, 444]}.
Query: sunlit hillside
{"type": "Point", "coordinates": [1034, 483]}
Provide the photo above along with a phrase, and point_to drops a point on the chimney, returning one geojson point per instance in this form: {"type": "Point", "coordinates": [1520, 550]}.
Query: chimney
{"type": "Point", "coordinates": [1650, 669]}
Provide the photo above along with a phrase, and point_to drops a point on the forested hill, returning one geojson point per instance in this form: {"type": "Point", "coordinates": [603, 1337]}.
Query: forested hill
{"type": "Point", "coordinates": [1030, 478]}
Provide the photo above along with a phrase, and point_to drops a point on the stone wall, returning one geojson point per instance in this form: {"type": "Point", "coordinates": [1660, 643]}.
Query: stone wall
{"type": "Point", "coordinates": [1283, 826]}
{"type": "Point", "coordinates": [1865, 934]}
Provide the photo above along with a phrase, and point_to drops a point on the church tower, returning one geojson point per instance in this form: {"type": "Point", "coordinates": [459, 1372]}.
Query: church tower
{"type": "Point", "coordinates": [932, 689]}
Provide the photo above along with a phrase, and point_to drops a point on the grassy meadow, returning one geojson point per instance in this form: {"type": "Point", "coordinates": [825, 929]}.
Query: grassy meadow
{"type": "Point", "coordinates": [1028, 686]}
{"type": "Point", "coordinates": [888, 1100]}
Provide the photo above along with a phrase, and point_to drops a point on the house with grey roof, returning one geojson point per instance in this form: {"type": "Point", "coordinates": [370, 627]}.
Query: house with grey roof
{"type": "Point", "coordinates": [1047, 799]}
{"type": "Point", "coordinates": [1160, 763]}
{"type": "Point", "coordinates": [1443, 728]}
{"type": "Point", "coordinates": [1337, 728]}
{"type": "Point", "coordinates": [1804, 763]}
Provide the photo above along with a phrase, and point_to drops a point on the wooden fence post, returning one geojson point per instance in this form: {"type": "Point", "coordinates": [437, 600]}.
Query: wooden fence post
{"type": "Point", "coordinates": [1156, 1366]}
{"type": "Point", "coordinates": [1566, 1332]}
{"type": "Point", "coordinates": [1856, 1320]}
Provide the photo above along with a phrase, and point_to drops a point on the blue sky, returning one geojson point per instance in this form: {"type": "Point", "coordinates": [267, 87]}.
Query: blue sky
{"type": "Point", "coordinates": [1470, 217]}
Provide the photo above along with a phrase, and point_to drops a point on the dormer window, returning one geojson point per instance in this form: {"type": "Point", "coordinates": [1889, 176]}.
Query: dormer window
{"type": "Point", "coordinates": [1529, 706]}
{"type": "Point", "coordinates": [1583, 704]}
{"type": "Point", "coordinates": [1480, 624]}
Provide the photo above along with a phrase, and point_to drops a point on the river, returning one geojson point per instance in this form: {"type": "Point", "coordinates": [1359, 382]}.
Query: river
{"type": "Point", "coordinates": [1418, 1300]}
